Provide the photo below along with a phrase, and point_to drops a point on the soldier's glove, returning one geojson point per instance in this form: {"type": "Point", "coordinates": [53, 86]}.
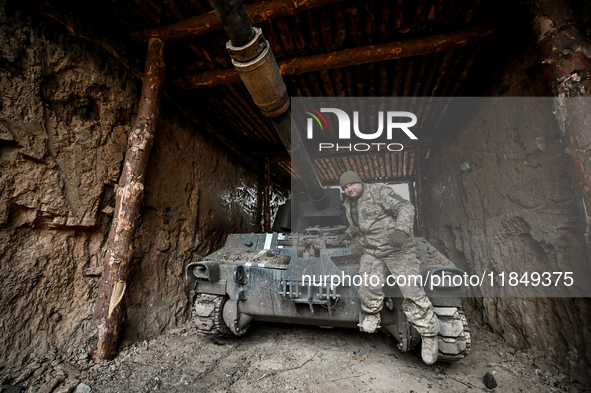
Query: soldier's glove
{"type": "Point", "coordinates": [343, 237]}
{"type": "Point", "coordinates": [397, 239]}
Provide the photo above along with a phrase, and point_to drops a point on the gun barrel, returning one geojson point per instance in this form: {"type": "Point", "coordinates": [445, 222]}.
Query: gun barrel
{"type": "Point", "coordinates": [255, 63]}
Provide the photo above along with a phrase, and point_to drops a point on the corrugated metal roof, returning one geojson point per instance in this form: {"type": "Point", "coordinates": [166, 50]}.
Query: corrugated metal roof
{"type": "Point", "coordinates": [375, 167]}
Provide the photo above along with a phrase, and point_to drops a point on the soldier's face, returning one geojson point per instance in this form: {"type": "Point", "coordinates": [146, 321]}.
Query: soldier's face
{"type": "Point", "coordinates": [353, 190]}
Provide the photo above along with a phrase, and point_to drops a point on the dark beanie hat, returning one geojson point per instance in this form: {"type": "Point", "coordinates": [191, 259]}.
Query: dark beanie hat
{"type": "Point", "coordinates": [349, 177]}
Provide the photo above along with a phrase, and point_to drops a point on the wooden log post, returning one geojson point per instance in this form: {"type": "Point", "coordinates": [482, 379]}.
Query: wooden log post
{"type": "Point", "coordinates": [413, 200]}
{"type": "Point", "coordinates": [421, 205]}
{"type": "Point", "coordinates": [566, 58]}
{"type": "Point", "coordinates": [108, 314]}
{"type": "Point", "coordinates": [266, 196]}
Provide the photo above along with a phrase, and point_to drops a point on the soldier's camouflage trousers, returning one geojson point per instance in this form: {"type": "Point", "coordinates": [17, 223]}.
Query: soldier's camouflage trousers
{"type": "Point", "coordinates": [416, 305]}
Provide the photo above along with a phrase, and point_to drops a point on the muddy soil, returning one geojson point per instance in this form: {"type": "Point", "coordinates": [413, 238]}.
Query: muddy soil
{"type": "Point", "coordinates": [283, 358]}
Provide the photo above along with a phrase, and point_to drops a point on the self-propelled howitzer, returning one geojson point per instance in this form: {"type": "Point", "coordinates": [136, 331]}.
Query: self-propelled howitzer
{"type": "Point", "coordinates": [300, 273]}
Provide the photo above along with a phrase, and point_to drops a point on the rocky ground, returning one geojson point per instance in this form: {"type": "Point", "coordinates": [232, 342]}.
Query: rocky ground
{"type": "Point", "coordinates": [282, 358]}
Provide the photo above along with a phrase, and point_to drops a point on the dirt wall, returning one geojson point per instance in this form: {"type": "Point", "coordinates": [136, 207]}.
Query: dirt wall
{"type": "Point", "coordinates": [65, 111]}
{"type": "Point", "coordinates": [515, 205]}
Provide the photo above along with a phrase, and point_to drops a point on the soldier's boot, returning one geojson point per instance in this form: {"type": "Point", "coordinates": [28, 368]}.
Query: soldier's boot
{"type": "Point", "coordinates": [371, 323]}
{"type": "Point", "coordinates": [429, 349]}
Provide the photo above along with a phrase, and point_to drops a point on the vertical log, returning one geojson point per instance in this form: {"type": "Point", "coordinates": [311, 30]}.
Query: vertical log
{"type": "Point", "coordinates": [420, 206]}
{"type": "Point", "coordinates": [266, 201]}
{"type": "Point", "coordinates": [108, 314]}
{"type": "Point", "coordinates": [413, 200]}
{"type": "Point", "coordinates": [567, 61]}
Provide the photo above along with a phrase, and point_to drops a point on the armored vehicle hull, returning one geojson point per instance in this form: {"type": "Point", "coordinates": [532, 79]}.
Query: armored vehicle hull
{"type": "Point", "coordinates": [255, 277]}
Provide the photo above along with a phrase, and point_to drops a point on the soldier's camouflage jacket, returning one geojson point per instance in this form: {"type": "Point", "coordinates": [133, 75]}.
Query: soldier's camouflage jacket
{"type": "Point", "coordinates": [381, 211]}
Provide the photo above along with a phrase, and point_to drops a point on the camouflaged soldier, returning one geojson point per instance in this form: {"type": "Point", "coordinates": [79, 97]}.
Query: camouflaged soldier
{"type": "Point", "coordinates": [382, 221]}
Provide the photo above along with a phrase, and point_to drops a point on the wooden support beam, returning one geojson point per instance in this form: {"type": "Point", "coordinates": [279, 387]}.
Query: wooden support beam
{"type": "Point", "coordinates": [348, 57]}
{"type": "Point", "coordinates": [208, 22]}
{"type": "Point", "coordinates": [566, 58]}
{"type": "Point", "coordinates": [421, 228]}
{"type": "Point", "coordinates": [266, 199]}
{"type": "Point", "coordinates": [108, 313]}
{"type": "Point", "coordinates": [413, 201]}
{"type": "Point", "coordinates": [372, 180]}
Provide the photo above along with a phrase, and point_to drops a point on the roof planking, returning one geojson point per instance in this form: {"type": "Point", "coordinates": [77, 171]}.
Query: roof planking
{"type": "Point", "coordinates": [316, 28]}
